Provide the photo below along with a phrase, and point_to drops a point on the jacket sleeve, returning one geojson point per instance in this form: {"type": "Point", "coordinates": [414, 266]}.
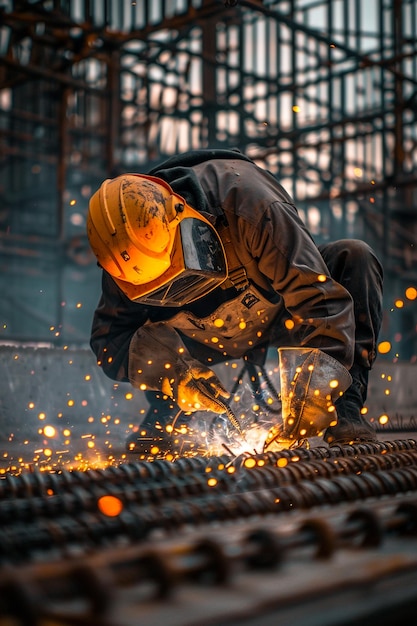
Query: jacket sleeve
{"type": "Point", "coordinates": [321, 309]}
{"type": "Point", "coordinates": [115, 321]}
{"type": "Point", "coordinates": [132, 348]}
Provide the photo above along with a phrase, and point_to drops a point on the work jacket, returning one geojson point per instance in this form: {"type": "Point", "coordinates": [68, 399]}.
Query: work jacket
{"type": "Point", "coordinates": [279, 281]}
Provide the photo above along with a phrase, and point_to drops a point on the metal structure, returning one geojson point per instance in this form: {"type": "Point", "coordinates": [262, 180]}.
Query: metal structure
{"type": "Point", "coordinates": [321, 92]}
{"type": "Point", "coordinates": [318, 537]}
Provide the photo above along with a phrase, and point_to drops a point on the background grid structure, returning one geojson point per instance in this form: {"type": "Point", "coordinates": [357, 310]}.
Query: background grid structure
{"type": "Point", "coordinates": [322, 93]}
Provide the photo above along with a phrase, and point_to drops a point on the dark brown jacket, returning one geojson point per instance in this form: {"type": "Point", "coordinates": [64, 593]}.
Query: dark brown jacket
{"type": "Point", "coordinates": [269, 239]}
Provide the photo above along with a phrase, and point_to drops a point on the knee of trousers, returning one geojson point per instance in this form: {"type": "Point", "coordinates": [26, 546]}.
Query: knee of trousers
{"type": "Point", "coordinates": [355, 249]}
{"type": "Point", "coordinates": [354, 252]}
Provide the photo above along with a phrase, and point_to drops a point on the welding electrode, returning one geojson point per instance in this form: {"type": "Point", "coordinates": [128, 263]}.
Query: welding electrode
{"type": "Point", "coordinates": [229, 413]}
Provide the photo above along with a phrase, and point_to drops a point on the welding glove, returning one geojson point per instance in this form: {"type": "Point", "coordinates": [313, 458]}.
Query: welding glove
{"type": "Point", "coordinates": [160, 361]}
{"type": "Point", "coordinates": [311, 382]}
{"type": "Point", "coordinates": [198, 389]}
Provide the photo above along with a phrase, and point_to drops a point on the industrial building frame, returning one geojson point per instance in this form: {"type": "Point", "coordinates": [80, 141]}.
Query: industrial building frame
{"type": "Point", "coordinates": [323, 93]}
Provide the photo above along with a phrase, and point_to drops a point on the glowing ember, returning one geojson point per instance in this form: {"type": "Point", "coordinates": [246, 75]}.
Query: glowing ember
{"type": "Point", "coordinates": [384, 347]}
{"type": "Point", "coordinates": [110, 506]}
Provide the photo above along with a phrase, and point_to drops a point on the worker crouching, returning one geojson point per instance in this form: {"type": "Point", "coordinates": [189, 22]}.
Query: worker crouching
{"type": "Point", "coordinates": [205, 259]}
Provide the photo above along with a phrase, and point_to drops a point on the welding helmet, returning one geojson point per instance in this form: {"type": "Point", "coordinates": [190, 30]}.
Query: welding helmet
{"type": "Point", "coordinates": [157, 248]}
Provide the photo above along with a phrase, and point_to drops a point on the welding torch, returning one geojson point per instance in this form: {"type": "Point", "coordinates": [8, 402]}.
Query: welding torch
{"type": "Point", "coordinates": [204, 388]}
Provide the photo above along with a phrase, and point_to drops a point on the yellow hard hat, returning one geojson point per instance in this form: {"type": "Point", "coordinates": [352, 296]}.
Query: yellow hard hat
{"type": "Point", "coordinates": [156, 247]}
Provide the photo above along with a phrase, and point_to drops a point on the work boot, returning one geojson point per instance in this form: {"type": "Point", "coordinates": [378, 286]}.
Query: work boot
{"type": "Point", "coordinates": [164, 431]}
{"type": "Point", "coordinates": [150, 440]}
{"type": "Point", "coordinates": [352, 427]}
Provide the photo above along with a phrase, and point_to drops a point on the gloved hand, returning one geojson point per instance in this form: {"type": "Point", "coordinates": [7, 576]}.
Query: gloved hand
{"type": "Point", "coordinates": [198, 389]}
{"type": "Point", "coordinates": [159, 361]}
{"type": "Point", "coordinates": [311, 382]}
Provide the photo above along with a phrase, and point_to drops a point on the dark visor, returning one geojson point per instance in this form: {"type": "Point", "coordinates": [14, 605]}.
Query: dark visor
{"type": "Point", "coordinates": [201, 255]}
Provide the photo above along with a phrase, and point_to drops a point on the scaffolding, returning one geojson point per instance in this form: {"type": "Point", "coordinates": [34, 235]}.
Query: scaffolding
{"type": "Point", "coordinates": [321, 92]}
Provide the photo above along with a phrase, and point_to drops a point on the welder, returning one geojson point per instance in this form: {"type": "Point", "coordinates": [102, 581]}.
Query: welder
{"type": "Point", "coordinates": [206, 259]}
